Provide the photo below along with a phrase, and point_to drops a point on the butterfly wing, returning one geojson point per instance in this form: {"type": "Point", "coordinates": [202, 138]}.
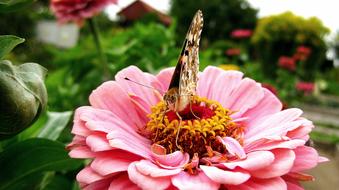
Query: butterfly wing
{"type": "Point", "coordinates": [185, 75]}
{"type": "Point", "coordinates": [184, 80]}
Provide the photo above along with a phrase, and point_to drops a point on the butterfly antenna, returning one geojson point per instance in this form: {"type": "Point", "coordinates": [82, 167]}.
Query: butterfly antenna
{"type": "Point", "coordinates": [151, 87]}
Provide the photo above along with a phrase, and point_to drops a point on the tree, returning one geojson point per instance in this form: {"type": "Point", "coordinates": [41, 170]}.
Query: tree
{"type": "Point", "coordinates": [220, 16]}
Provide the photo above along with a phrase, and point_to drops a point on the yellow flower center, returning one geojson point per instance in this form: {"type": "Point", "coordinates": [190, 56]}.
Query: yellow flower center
{"type": "Point", "coordinates": [196, 132]}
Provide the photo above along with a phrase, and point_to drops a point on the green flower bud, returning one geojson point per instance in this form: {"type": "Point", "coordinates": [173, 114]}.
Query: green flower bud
{"type": "Point", "coordinates": [23, 96]}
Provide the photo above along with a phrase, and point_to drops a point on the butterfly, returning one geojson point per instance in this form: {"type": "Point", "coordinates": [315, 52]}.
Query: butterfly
{"type": "Point", "coordinates": [185, 77]}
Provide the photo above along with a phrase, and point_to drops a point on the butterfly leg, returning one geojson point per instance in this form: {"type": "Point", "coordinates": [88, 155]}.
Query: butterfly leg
{"type": "Point", "coordinates": [176, 139]}
{"type": "Point", "coordinates": [192, 111]}
{"type": "Point", "coordinates": [163, 115]}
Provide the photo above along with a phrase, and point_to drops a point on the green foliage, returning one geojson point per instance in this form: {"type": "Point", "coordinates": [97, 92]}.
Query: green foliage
{"type": "Point", "coordinates": [56, 123]}
{"type": "Point", "coordinates": [148, 46]}
{"type": "Point", "coordinates": [220, 17]}
{"type": "Point", "coordinates": [7, 43]}
{"type": "Point", "coordinates": [24, 96]}
{"type": "Point", "coordinates": [280, 35]}
{"type": "Point", "coordinates": [27, 160]}
{"type": "Point", "coordinates": [13, 5]}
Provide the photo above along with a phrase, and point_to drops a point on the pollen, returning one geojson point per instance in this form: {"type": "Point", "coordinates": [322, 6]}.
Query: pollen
{"type": "Point", "coordinates": [193, 130]}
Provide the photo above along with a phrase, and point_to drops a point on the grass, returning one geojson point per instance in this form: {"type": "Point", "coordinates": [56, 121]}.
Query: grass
{"type": "Point", "coordinates": [325, 138]}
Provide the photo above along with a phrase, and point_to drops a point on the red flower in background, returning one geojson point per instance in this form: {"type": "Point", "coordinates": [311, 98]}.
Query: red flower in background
{"type": "Point", "coordinates": [77, 10]}
{"type": "Point", "coordinates": [306, 87]}
{"type": "Point", "coordinates": [241, 33]}
{"type": "Point", "coordinates": [287, 63]}
{"type": "Point", "coordinates": [233, 51]}
{"type": "Point", "coordinates": [303, 52]}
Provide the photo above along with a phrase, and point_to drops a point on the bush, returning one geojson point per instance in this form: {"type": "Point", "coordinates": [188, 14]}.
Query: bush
{"type": "Point", "coordinates": [281, 35]}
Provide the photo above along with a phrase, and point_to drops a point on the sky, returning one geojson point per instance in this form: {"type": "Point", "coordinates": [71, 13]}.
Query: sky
{"type": "Point", "coordinates": [326, 10]}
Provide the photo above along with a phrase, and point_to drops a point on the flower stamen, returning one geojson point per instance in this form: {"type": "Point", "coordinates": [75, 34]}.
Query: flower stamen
{"type": "Point", "coordinates": [193, 130]}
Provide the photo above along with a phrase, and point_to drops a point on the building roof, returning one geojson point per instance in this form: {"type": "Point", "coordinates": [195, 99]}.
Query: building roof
{"type": "Point", "coordinates": [138, 9]}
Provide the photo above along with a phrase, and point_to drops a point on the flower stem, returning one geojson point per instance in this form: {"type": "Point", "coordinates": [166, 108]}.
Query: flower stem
{"type": "Point", "coordinates": [96, 37]}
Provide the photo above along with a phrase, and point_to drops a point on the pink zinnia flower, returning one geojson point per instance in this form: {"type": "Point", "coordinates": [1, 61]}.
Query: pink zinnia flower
{"type": "Point", "coordinates": [287, 63]}
{"type": "Point", "coordinates": [305, 87]}
{"type": "Point", "coordinates": [233, 51]}
{"type": "Point", "coordinates": [238, 139]}
{"type": "Point", "coordinates": [241, 33]}
{"type": "Point", "coordinates": [77, 10]}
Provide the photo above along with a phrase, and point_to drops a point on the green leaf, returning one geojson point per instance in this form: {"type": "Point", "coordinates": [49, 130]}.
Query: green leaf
{"type": "Point", "coordinates": [56, 182]}
{"type": "Point", "coordinates": [13, 5]}
{"type": "Point", "coordinates": [56, 122]}
{"type": "Point", "coordinates": [34, 130]}
{"type": "Point", "coordinates": [23, 96]}
{"type": "Point", "coordinates": [8, 42]}
{"type": "Point", "coordinates": [31, 157]}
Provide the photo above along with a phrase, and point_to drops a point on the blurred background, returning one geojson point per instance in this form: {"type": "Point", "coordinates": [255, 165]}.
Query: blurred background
{"type": "Point", "coordinates": [291, 47]}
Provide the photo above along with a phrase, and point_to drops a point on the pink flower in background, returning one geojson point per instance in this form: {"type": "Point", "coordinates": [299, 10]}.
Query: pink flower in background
{"type": "Point", "coordinates": [305, 87]}
{"type": "Point", "coordinates": [241, 33]}
{"type": "Point", "coordinates": [77, 10]}
{"type": "Point", "coordinates": [303, 52]}
{"type": "Point", "coordinates": [287, 63]}
{"type": "Point", "coordinates": [233, 51]}
{"type": "Point", "coordinates": [239, 139]}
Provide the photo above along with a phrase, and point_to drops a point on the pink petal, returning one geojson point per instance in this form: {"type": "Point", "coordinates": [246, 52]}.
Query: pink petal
{"type": "Point", "coordinates": [88, 175]}
{"type": "Point", "coordinates": [97, 185]}
{"type": "Point", "coordinates": [81, 152]}
{"type": "Point", "coordinates": [302, 131]}
{"type": "Point", "coordinates": [113, 161]}
{"type": "Point", "coordinates": [282, 164]}
{"type": "Point", "coordinates": [268, 105]}
{"type": "Point", "coordinates": [79, 127]}
{"type": "Point", "coordinates": [261, 184]}
{"type": "Point", "coordinates": [233, 146]}
{"type": "Point", "coordinates": [306, 158]}
{"type": "Point", "coordinates": [92, 114]}
{"type": "Point", "coordinates": [124, 141]}
{"type": "Point", "coordinates": [147, 182]}
{"type": "Point", "coordinates": [117, 126]}
{"type": "Point", "coordinates": [164, 77]}
{"type": "Point", "coordinates": [122, 182]}
{"type": "Point", "coordinates": [110, 96]}
{"type": "Point", "coordinates": [217, 84]}
{"type": "Point", "coordinates": [77, 141]}
{"type": "Point", "coordinates": [176, 159]}
{"type": "Point", "coordinates": [135, 74]}
{"type": "Point", "coordinates": [86, 114]}
{"type": "Point", "coordinates": [274, 124]}
{"type": "Point", "coordinates": [254, 161]}
{"type": "Point", "coordinates": [322, 159]}
{"type": "Point", "coordinates": [298, 176]}
{"type": "Point", "coordinates": [98, 142]}
{"type": "Point", "coordinates": [224, 176]}
{"type": "Point", "coordinates": [158, 149]}
{"type": "Point", "coordinates": [269, 144]}
{"type": "Point", "coordinates": [142, 108]}
{"type": "Point", "coordinates": [199, 181]}
{"type": "Point", "coordinates": [247, 95]}
{"type": "Point", "coordinates": [146, 167]}
{"type": "Point", "coordinates": [293, 186]}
